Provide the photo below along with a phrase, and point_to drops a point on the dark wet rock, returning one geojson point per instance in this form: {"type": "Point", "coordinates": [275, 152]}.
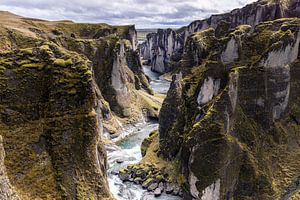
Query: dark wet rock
{"type": "Point", "coordinates": [157, 192]}
{"type": "Point", "coordinates": [148, 182]}
{"type": "Point", "coordinates": [115, 172]}
{"type": "Point", "coordinates": [176, 190]}
{"type": "Point", "coordinates": [124, 175]}
{"type": "Point", "coordinates": [138, 180]}
{"type": "Point", "coordinates": [180, 193]}
{"type": "Point", "coordinates": [169, 188]}
{"type": "Point", "coordinates": [141, 173]}
{"type": "Point", "coordinates": [119, 161]}
{"type": "Point", "coordinates": [161, 185]}
{"type": "Point", "coordinates": [152, 186]}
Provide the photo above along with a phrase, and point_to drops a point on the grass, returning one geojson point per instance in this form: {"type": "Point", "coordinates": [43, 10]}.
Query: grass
{"type": "Point", "coordinates": [168, 167]}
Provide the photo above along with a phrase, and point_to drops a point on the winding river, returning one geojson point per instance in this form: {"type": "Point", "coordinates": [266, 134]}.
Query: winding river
{"type": "Point", "coordinates": [127, 151]}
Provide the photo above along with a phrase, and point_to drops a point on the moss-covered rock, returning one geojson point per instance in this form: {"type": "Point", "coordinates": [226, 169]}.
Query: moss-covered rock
{"type": "Point", "coordinates": [50, 127]}
{"type": "Point", "coordinates": [165, 48]}
{"type": "Point", "coordinates": [60, 83]}
{"type": "Point", "coordinates": [147, 141]}
{"type": "Point", "coordinates": [240, 115]}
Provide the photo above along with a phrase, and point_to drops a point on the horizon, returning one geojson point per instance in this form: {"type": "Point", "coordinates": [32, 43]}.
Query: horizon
{"type": "Point", "coordinates": [143, 14]}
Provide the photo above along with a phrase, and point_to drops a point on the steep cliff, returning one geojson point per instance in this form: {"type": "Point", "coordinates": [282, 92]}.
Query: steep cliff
{"type": "Point", "coordinates": [237, 134]}
{"type": "Point", "coordinates": [51, 124]}
{"type": "Point", "coordinates": [6, 190]}
{"type": "Point", "coordinates": [63, 84]}
{"type": "Point", "coordinates": [164, 48]}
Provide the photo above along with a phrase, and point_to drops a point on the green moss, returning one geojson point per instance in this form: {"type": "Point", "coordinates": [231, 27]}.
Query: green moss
{"type": "Point", "coordinates": [92, 113]}
{"type": "Point", "coordinates": [242, 29]}
{"type": "Point", "coordinates": [123, 171]}
{"type": "Point", "coordinates": [45, 47]}
{"type": "Point", "coordinates": [148, 181]}
{"type": "Point", "coordinates": [7, 62]}
{"type": "Point", "coordinates": [72, 91]}
{"type": "Point", "coordinates": [27, 51]}
{"type": "Point", "coordinates": [88, 73]}
{"type": "Point", "coordinates": [147, 141]}
{"type": "Point", "coordinates": [2, 68]}
{"type": "Point", "coordinates": [68, 62]}
{"type": "Point", "coordinates": [62, 63]}
{"type": "Point", "coordinates": [33, 59]}
{"type": "Point", "coordinates": [59, 62]}
{"type": "Point", "coordinates": [237, 69]}
{"type": "Point", "coordinates": [23, 62]}
{"type": "Point", "coordinates": [82, 190]}
{"type": "Point", "coordinates": [34, 66]}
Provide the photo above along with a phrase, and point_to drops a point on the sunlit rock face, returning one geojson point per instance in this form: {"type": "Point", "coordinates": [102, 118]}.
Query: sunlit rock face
{"type": "Point", "coordinates": [239, 113]}
{"type": "Point", "coordinates": [209, 89]}
{"type": "Point", "coordinates": [7, 192]}
{"type": "Point", "coordinates": [171, 43]}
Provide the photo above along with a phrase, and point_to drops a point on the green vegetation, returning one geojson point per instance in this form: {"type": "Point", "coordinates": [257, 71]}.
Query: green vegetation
{"type": "Point", "coordinates": [62, 63]}
{"type": "Point", "coordinates": [234, 136]}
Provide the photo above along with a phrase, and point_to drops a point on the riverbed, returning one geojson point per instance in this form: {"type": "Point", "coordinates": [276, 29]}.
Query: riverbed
{"type": "Point", "coordinates": [128, 151]}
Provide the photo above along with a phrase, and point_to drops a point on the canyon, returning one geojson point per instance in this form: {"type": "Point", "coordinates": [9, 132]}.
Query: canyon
{"type": "Point", "coordinates": [208, 111]}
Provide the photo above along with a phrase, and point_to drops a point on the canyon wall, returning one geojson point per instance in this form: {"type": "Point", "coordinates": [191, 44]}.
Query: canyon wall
{"type": "Point", "coordinates": [235, 113]}
{"type": "Point", "coordinates": [164, 49]}
{"type": "Point", "coordinates": [62, 85]}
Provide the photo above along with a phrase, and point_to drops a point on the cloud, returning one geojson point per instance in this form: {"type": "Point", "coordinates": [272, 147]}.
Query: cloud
{"type": "Point", "coordinates": [143, 13]}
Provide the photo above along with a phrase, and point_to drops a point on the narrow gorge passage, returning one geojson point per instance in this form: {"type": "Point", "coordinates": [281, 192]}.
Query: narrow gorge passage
{"type": "Point", "coordinates": [162, 108]}
{"type": "Point", "coordinates": [127, 150]}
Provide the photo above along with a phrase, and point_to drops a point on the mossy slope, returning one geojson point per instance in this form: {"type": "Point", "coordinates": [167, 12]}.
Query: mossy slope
{"type": "Point", "coordinates": [51, 136]}
{"type": "Point", "coordinates": [240, 128]}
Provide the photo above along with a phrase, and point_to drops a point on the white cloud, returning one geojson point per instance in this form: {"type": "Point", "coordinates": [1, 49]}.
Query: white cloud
{"type": "Point", "coordinates": [143, 13]}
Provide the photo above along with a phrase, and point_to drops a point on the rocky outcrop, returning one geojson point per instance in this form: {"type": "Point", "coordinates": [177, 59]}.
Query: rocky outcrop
{"type": "Point", "coordinates": [166, 46]}
{"type": "Point", "coordinates": [239, 137]}
{"type": "Point", "coordinates": [51, 122]}
{"type": "Point", "coordinates": [169, 113]}
{"type": "Point", "coordinates": [112, 51]}
{"type": "Point", "coordinates": [158, 49]}
{"type": "Point", "coordinates": [61, 85]}
{"type": "Point", "coordinates": [6, 190]}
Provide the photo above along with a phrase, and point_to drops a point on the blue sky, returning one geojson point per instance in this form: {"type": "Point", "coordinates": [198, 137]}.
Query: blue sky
{"type": "Point", "coordinates": [143, 13]}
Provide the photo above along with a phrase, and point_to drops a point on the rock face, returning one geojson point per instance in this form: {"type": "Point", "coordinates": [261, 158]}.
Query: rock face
{"type": "Point", "coordinates": [51, 128]}
{"type": "Point", "coordinates": [169, 113]}
{"type": "Point", "coordinates": [60, 83]}
{"type": "Point", "coordinates": [166, 46]}
{"type": "Point", "coordinates": [6, 190]}
{"type": "Point", "coordinates": [239, 134]}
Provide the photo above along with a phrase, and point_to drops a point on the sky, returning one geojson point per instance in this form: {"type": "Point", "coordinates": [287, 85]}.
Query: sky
{"type": "Point", "coordinates": [142, 13]}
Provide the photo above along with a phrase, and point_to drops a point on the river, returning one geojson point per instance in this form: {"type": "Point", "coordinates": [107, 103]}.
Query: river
{"type": "Point", "coordinates": [127, 151]}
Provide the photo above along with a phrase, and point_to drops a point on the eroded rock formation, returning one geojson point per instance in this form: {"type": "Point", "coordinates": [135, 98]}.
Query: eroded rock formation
{"type": "Point", "coordinates": [164, 48]}
{"type": "Point", "coordinates": [239, 134]}
{"type": "Point", "coordinates": [51, 128]}
{"type": "Point", "coordinates": [61, 84]}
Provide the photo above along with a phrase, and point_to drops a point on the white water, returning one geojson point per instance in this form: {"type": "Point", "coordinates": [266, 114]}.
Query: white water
{"type": "Point", "coordinates": [158, 84]}
{"type": "Point", "coordinates": [127, 150]}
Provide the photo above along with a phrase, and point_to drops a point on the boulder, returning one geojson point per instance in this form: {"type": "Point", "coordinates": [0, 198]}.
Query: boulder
{"type": "Point", "coordinates": [169, 188]}
{"type": "Point", "coordinates": [157, 192]}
